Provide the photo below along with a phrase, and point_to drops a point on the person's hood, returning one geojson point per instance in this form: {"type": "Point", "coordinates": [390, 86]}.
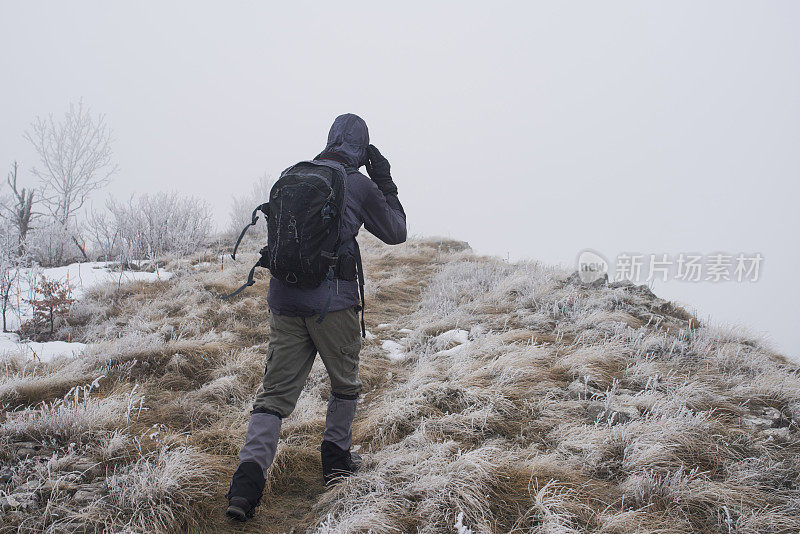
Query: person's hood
{"type": "Point", "coordinates": [348, 139]}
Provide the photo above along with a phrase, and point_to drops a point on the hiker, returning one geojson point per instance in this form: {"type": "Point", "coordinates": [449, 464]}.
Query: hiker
{"type": "Point", "coordinates": [323, 319]}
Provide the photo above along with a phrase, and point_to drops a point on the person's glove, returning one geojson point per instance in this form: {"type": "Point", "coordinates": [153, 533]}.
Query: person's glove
{"type": "Point", "coordinates": [379, 171]}
{"type": "Point", "coordinates": [263, 260]}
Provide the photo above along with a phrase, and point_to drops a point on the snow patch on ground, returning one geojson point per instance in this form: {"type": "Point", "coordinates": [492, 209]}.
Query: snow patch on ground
{"type": "Point", "coordinates": [451, 350]}
{"type": "Point", "coordinates": [11, 344]}
{"type": "Point", "coordinates": [82, 276]}
{"type": "Point", "coordinates": [461, 337]}
{"type": "Point", "coordinates": [395, 351]}
{"type": "Point", "coordinates": [453, 336]}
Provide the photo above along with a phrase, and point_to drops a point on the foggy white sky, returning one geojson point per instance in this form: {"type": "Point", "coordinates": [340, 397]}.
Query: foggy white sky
{"type": "Point", "coordinates": [529, 129]}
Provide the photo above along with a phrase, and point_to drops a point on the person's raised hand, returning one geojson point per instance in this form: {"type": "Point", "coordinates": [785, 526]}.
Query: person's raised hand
{"type": "Point", "coordinates": [379, 171]}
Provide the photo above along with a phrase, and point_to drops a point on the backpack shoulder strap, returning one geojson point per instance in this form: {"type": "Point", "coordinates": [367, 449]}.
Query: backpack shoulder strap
{"type": "Point", "coordinates": [339, 185]}
{"type": "Point", "coordinates": [360, 273]}
{"type": "Point", "coordinates": [349, 169]}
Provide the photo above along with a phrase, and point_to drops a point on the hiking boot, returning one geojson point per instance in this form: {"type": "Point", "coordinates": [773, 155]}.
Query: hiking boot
{"type": "Point", "coordinates": [246, 490]}
{"type": "Point", "coordinates": [337, 463]}
{"type": "Point", "coordinates": [239, 509]}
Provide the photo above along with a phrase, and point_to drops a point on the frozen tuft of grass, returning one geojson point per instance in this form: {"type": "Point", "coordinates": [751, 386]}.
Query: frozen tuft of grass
{"type": "Point", "coordinates": [157, 492]}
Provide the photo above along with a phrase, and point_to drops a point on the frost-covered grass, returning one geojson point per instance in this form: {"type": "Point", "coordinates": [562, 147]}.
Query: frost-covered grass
{"type": "Point", "coordinates": [526, 402]}
{"type": "Point", "coordinates": [497, 398]}
{"type": "Point", "coordinates": [84, 436]}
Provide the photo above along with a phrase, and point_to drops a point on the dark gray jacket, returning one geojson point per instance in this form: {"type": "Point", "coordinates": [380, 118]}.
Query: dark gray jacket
{"type": "Point", "coordinates": [382, 216]}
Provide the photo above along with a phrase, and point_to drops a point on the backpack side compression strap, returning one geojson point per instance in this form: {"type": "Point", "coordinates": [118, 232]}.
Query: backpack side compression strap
{"type": "Point", "coordinates": [247, 284]}
{"type": "Point", "coordinates": [262, 262]}
{"type": "Point", "coordinates": [264, 208]}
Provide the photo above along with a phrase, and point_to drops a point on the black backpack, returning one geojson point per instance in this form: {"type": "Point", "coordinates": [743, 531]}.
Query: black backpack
{"type": "Point", "coordinates": [304, 224]}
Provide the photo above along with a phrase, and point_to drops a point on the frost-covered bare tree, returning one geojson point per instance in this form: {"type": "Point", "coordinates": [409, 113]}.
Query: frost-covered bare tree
{"type": "Point", "coordinates": [10, 263]}
{"type": "Point", "coordinates": [242, 206]}
{"type": "Point", "coordinates": [76, 160]}
{"type": "Point", "coordinates": [19, 211]}
{"type": "Point", "coordinates": [103, 234]}
{"type": "Point", "coordinates": [150, 226]}
{"type": "Point", "coordinates": [51, 245]}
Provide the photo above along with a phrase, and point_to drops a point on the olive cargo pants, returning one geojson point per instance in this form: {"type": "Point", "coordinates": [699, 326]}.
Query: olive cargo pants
{"type": "Point", "coordinates": [293, 345]}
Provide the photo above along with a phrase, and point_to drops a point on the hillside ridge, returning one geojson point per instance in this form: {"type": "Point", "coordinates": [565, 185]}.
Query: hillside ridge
{"type": "Point", "coordinates": [499, 397]}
